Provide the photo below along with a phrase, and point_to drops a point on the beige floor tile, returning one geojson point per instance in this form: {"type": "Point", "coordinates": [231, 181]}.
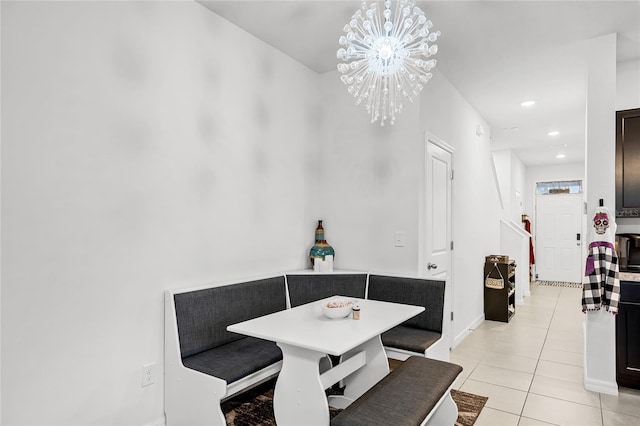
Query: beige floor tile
{"type": "Point", "coordinates": [562, 389]}
{"type": "Point", "coordinates": [545, 291]}
{"type": "Point", "coordinates": [562, 357]}
{"type": "Point", "coordinates": [468, 352]}
{"type": "Point", "coordinates": [531, 319]}
{"type": "Point", "coordinates": [468, 365]}
{"type": "Point", "coordinates": [560, 344]}
{"type": "Point", "coordinates": [626, 402]}
{"type": "Point", "coordinates": [560, 412]}
{"type": "Point", "coordinates": [511, 362]}
{"type": "Point", "coordinates": [546, 335]}
{"type": "Point", "coordinates": [617, 419]}
{"type": "Point", "coordinates": [491, 417]}
{"type": "Point", "coordinates": [488, 333]}
{"type": "Point", "coordinates": [521, 328]}
{"type": "Point", "coordinates": [522, 338]}
{"type": "Point", "coordinates": [517, 347]}
{"type": "Point", "coordinates": [556, 370]}
{"type": "Point", "coordinates": [567, 323]}
{"type": "Point", "coordinates": [502, 377]}
{"type": "Point", "coordinates": [570, 310]}
{"type": "Point", "coordinates": [479, 340]}
{"type": "Point", "coordinates": [530, 310]}
{"type": "Point", "coordinates": [525, 421]}
{"type": "Point", "coordinates": [572, 336]}
{"type": "Point", "coordinates": [500, 398]}
{"type": "Point", "coordinates": [542, 303]}
{"type": "Point", "coordinates": [492, 325]}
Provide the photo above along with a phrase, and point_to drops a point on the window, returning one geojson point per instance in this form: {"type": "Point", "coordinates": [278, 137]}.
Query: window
{"type": "Point", "coordinates": [559, 187]}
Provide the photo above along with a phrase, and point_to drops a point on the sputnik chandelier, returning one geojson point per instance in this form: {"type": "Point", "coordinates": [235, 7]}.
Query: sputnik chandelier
{"type": "Point", "coordinates": [383, 56]}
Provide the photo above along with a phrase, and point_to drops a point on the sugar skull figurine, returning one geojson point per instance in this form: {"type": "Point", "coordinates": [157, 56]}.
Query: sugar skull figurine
{"type": "Point", "coordinates": [601, 222]}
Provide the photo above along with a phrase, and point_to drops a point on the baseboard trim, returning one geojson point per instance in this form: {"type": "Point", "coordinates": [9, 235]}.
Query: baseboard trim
{"type": "Point", "coordinates": [601, 386]}
{"type": "Point", "coordinates": [160, 421]}
{"type": "Point", "coordinates": [464, 333]}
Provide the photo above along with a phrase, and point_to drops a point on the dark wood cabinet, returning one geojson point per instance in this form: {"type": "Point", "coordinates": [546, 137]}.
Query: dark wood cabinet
{"type": "Point", "coordinates": [628, 163]}
{"type": "Point", "coordinates": [499, 288]}
{"type": "Point", "coordinates": [628, 336]}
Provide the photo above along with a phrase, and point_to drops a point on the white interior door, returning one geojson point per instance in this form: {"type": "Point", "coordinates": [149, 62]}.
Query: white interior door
{"type": "Point", "coordinates": [436, 258]}
{"type": "Point", "coordinates": [558, 245]}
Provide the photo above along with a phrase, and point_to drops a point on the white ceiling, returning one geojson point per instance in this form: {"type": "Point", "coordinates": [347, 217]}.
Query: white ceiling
{"type": "Point", "coordinates": [496, 53]}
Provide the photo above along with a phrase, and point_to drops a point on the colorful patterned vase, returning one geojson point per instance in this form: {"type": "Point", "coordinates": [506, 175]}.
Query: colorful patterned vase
{"type": "Point", "coordinates": [321, 248]}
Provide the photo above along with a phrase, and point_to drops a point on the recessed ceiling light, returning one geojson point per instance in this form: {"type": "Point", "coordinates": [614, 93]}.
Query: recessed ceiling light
{"type": "Point", "coordinates": [560, 156]}
{"type": "Point", "coordinates": [553, 133]}
{"type": "Point", "coordinates": [527, 103]}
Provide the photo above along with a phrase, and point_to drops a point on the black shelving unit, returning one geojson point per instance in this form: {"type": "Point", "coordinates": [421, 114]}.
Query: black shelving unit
{"type": "Point", "coordinates": [500, 289]}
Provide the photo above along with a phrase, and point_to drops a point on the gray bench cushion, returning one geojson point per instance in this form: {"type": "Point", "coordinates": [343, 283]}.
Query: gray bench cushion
{"type": "Point", "coordinates": [412, 291]}
{"type": "Point", "coordinates": [309, 288]}
{"type": "Point", "coordinates": [235, 360]}
{"type": "Point", "coordinates": [410, 338]}
{"type": "Point", "coordinates": [203, 315]}
{"type": "Point", "coordinates": [404, 397]}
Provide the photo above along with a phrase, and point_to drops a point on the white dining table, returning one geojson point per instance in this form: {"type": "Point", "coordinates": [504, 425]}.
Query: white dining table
{"type": "Point", "coordinates": [306, 336]}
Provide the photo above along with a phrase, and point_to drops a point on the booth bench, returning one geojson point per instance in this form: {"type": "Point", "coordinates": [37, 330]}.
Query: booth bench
{"type": "Point", "coordinates": [205, 364]}
{"type": "Point", "coordinates": [422, 334]}
{"type": "Point", "coordinates": [417, 392]}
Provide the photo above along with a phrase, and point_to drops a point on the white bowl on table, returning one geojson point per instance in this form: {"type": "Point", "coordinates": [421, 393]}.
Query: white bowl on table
{"type": "Point", "coordinates": [337, 307]}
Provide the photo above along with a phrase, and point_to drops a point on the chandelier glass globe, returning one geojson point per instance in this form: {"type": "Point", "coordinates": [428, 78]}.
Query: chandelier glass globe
{"type": "Point", "coordinates": [386, 55]}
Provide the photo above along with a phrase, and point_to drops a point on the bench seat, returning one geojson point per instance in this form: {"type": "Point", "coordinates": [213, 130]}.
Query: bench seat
{"type": "Point", "coordinates": [410, 338]}
{"type": "Point", "coordinates": [235, 360]}
{"type": "Point", "coordinates": [409, 395]}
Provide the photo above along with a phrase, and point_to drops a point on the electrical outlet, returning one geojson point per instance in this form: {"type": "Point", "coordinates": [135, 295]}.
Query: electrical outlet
{"type": "Point", "coordinates": [148, 374]}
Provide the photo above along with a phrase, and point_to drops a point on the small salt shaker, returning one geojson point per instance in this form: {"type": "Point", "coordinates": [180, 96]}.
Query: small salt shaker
{"type": "Point", "coordinates": [356, 312]}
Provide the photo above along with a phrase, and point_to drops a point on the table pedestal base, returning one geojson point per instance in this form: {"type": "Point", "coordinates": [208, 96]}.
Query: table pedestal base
{"type": "Point", "coordinates": [299, 397]}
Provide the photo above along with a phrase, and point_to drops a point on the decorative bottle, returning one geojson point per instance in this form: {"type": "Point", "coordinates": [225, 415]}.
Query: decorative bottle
{"type": "Point", "coordinates": [321, 248]}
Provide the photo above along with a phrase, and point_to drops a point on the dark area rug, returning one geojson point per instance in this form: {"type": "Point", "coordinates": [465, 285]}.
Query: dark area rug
{"type": "Point", "coordinates": [469, 406]}
{"type": "Point", "coordinates": [255, 407]}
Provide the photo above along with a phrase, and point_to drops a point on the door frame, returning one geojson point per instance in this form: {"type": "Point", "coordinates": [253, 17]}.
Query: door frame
{"type": "Point", "coordinates": [448, 323]}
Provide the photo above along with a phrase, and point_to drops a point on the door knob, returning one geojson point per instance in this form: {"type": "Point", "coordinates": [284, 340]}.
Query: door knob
{"type": "Point", "coordinates": [431, 266]}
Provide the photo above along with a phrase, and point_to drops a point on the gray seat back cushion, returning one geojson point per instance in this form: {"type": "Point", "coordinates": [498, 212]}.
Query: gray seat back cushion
{"type": "Point", "coordinates": [309, 288]}
{"type": "Point", "coordinates": [203, 315]}
{"type": "Point", "coordinates": [412, 291]}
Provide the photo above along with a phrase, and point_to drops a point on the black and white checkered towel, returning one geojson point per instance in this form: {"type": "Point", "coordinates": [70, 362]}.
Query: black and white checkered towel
{"type": "Point", "coordinates": [601, 284]}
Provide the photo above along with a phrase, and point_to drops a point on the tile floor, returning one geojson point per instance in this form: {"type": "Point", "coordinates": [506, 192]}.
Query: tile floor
{"type": "Point", "coordinates": [531, 368]}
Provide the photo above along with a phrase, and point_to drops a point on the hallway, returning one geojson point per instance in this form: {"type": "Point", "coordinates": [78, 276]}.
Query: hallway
{"type": "Point", "coordinates": [531, 368]}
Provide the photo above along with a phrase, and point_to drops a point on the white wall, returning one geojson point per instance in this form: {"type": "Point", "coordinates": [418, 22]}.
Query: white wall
{"type": "Point", "coordinates": [145, 146]}
{"type": "Point", "coordinates": [366, 185]}
{"type": "Point", "coordinates": [369, 179]}
{"type": "Point", "coordinates": [628, 85]}
{"type": "Point", "coordinates": [600, 351]}
{"type": "Point", "coordinates": [502, 161]}
{"type": "Point", "coordinates": [518, 189]}
{"type": "Point", "coordinates": [476, 206]}
{"type": "Point", "coordinates": [510, 172]}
